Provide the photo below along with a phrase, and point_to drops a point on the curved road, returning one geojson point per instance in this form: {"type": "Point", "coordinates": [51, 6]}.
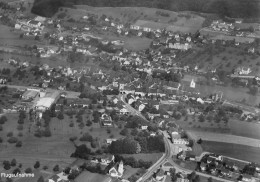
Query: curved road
{"type": "Point", "coordinates": [167, 156]}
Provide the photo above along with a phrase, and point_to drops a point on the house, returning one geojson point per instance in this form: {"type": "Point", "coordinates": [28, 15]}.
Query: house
{"type": "Point", "coordinates": [122, 110]}
{"type": "Point", "coordinates": [117, 170]}
{"type": "Point", "coordinates": [180, 46]}
{"type": "Point", "coordinates": [144, 127]}
{"type": "Point", "coordinates": [135, 27]}
{"type": "Point", "coordinates": [57, 178]}
{"type": "Point", "coordinates": [160, 174]}
{"type": "Point", "coordinates": [146, 29]}
{"type": "Point", "coordinates": [180, 141]}
{"type": "Point", "coordinates": [30, 94]}
{"type": "Point", "coordinates": [110, 140]}
{"type": "Point", "coordinates": [242, 71]}
{"type": "Point", "coordinates": [139, 105]}
{"type": "Point", "coordinates": [107, 159]}
{"type": "Point", "coordinates": [247, 178]}
{"type": "Point", "coordinates": [34, 24]}
{"type": "Point", "coordinates": [203, 166]}
{"type": "Point", "coordinates": [106, 120]}
{"type": "Point", "coordinates": [130, 98]}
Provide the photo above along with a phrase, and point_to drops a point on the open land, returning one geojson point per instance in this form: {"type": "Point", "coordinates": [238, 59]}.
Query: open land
{"type": "Point", "coordinates": [242, 152]}
{"type": "Point", "coordinates": [225, 138]}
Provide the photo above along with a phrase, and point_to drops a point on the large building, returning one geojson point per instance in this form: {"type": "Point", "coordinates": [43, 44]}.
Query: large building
{"type": "Point", "coordinates": [45, 102]}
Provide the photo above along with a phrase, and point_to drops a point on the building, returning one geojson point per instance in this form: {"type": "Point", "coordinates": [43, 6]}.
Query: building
{"type": "Point", "coordinates": [30, 94]}
{"type": "Point", "coordinates": [45, 102]}
{"type": "Point", "coordinates": [117, 171]}
{"type": "Point", "coordinates": [180, 141]}
{"type": "Point", "coordinates": [106, 120]}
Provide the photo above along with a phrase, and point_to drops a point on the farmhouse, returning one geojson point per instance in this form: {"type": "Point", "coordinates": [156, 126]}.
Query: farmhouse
{"type": "Point", "coordinates": [30, 94]}
{"type": "Point", "coordinates": [46, 102]}
{"type": "Point", "coordinates": [117, 170]}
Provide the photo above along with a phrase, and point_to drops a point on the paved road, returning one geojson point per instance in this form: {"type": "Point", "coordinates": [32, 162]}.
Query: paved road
{"type": "Point", "coordinates": [167, 156]}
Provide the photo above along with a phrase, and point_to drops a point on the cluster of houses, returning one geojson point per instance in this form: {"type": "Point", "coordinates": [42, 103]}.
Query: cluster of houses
{"type": "Point", "coordinates": [115, 171]}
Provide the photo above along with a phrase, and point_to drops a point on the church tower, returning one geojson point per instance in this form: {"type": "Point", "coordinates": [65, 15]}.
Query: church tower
{"type": "Point", "coordinates": [192, 84]}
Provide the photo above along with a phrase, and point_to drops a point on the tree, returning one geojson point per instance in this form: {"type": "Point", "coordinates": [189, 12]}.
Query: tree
{"type": "Point", "coordinates": [56, 168]}
{"type": "Point", "coordinates": [124, 132]}
{"type": "Point", "coordinates": [40, 179]}
{"type": "Point", "coordinates": [201, 118]}
{"type": "Point", "coordinates": [19, 144]}
{"type": "Point", "coordinates": [1, 140]}
{"type": "Point", "coordinates": [210, 179]}
{"type": "Point", "coordinates": [16, 170]}
{"type": "Point", "coordinates": [253, 90]}
{"type": "Point", "coordinates": [173, 174]}
{"type": "Point", "coordinates": [13, 162]}
{"type": "Point", "coordinates": [67, 170]}
{"type": "Point", "coordinates": [37, 165]}
{"type": "Point", "coordinates": [3, 119]}
{"type": "Point", "coordinates": [60, 116]}
{"type": "Point", "coordinates": [199, 141]}
{"type": "Point", "coordinates": [28, 170]}
{"type": "Point", "coordinates": [7, 165]}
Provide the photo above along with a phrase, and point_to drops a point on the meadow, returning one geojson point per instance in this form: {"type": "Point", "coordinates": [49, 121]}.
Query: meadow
{"type": "Point", "coordinates": [242, 152]}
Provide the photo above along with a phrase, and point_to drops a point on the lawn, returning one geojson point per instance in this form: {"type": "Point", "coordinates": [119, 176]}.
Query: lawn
{"type": "Point", "coordinates": [153, 157]}
{"type": "Point", "coordinates": [49, 151]}
{"type": "Point", "coordinates": [247, 153]}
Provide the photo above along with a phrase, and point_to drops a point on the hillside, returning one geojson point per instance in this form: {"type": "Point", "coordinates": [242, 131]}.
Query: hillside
{"type": "Point", "coordinates": [230, 8]}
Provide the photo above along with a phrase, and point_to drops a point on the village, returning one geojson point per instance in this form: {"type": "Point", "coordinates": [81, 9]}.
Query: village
{"type": "Point", "coordinates": [106, 101]}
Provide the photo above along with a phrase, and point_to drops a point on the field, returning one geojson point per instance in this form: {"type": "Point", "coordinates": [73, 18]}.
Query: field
{"type": "Point", "coordinates": [225, 138]}
{"type": "Point", "coordinates": [231, 93]}
{"type": "Point", "coordinates": [243, 128]}
{"type": "Point", "coordinates": [49, 151]}
{"type": "Point", "coordinates": [194, 124]}
{"type": "Point", "coordinates": [146, 157]}
{"type": "Point", "coordinates": [242, 152]}
{"type": "Point", "coordinates": [11, 39]}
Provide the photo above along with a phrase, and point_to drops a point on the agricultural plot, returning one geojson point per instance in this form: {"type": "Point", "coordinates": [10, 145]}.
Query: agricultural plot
{"type": "Point", "coordinates": [225, 138]}
{"type": "Point", "coordinates": [243, 152]}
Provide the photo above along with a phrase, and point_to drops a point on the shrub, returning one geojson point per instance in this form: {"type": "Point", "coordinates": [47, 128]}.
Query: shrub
{"type": "Point", "coordinates": [3, 119]}
{"type": "Point", "coordinates": [37, 165]}
{"type": "Point", "coordinates": [19, 144]}
{"type": "Point", "coordinates": [1, 140]}
{"type": "Point", "coordinates": [73, 138]}
{"type": "Point", "coordinates": [20, 127]}
{"type": "Point", "coordinates": [56, 168]}
{"type": "Point", "coordinates": [1, 128]}
{"type": "Point", "coordinates": [13, 162]}
{"type": "Point", "coordinates": [28, 170]}
{"type": "Point", "coordinates": [20, 134]}
{"type": "Point", "coordinates": [45, 167]}
{"type": "Point", "coordinates": [10, 134]}
{"type": "Point", "coordinates": [12, 140]}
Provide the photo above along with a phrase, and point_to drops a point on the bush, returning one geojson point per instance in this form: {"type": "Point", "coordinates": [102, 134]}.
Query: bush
{"type": "Point", "coordinates": [10, 134]}
{"type": "Point", "coordinates": [12, 140]}
{"type": "Point", "coordinates": [13, 162]}
{"type": "Point", "coordinates": [20, 127]}
{"type": "Point", "coordinates": [72, 139]}
{"type": "Point", "coordinates": [1, 140]}
{"type": "Point", "coordinates": [3, 119]}
{"type": "Point", "coordinates": [20, 134]}
{"type": "Point", "coordinates": [71, 125]}
{"type": "Point", "coordinates": [86, 137]}
{"type": "Point", "coordinates": [28, 170]}
{"type": "Point", "coordinates": [1, 128]}
{"type": "Point", "coordinates": [7, 165]}
{"type": "Point", "coordinates": [19, 144]}
{"type": "Point", "coordinates": [37, 165]}
{"type": "Point", "coordinates": [56, 168]}
{"type": "Point", "coordinates": [45, 167]}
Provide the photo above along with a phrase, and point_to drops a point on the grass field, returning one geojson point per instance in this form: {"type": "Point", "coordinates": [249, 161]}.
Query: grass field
{"type": "Point", "coordinates": [153, 157]}
{"type": "Point", "coordinates": [225, 138]}
{"type": "Point", "coordinates": [49, 151]}
{"type": "Point", "coordinates": [247, 153]}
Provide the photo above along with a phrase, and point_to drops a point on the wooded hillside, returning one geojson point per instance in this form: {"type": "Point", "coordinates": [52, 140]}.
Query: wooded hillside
{"type": "Point", "coordinates": [230, 8]}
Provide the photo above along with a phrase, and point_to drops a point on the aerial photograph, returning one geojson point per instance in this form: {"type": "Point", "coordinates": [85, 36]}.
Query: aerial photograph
{"type": "Point", "coordinates": [129, 90]}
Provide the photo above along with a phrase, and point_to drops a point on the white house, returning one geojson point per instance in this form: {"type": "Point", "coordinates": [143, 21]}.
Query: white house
{"type": "Point", "coordinates": [180, 141]}
{"type": "Point", "coordinates": [135, 27]}
{"type": "Point", "coordinates": [117, 171]}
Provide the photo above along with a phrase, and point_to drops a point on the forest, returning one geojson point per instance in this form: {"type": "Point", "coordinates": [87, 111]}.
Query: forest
{"type": "Point", "coordinates": [229, 8]}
